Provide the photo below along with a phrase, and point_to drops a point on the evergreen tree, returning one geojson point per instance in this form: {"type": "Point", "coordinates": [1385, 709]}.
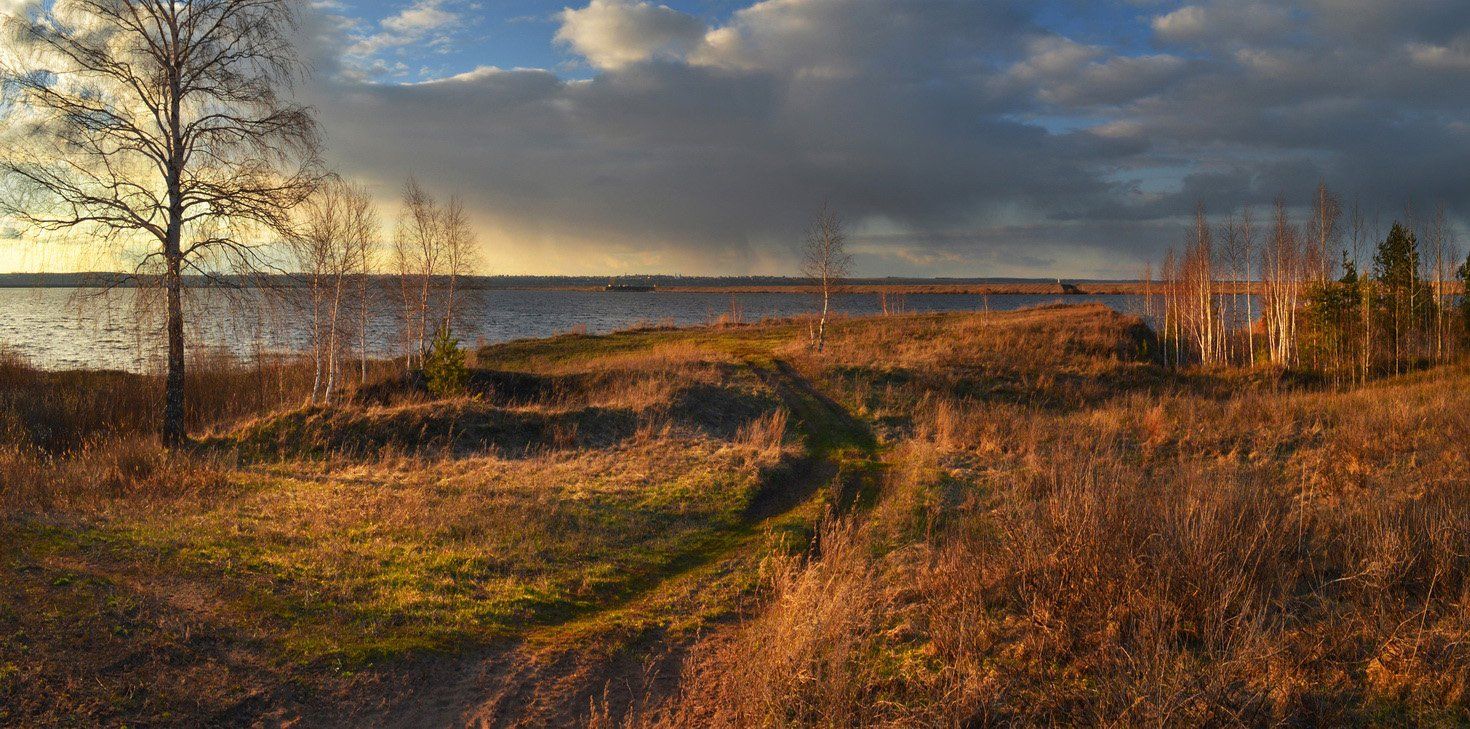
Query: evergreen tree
{"type": "Point", "coordinates": [1331, 322]}
{"type": "Point", "coordinates": [1349, 271]}
{"type": "Point", "coordinates": [1396, 263]}
{"type": "Point", "coordinates": [445, 372]}
{"type": "Point", "coordinates": [1464, 275]}
{"type": "Point", "coordinates": [1407, 303]}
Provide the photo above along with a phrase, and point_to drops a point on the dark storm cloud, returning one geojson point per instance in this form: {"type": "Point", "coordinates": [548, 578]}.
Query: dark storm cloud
{"type": "Point", "coordinates": [955, 136]}
{"type": "Point", "coordinates": [1365, 95]}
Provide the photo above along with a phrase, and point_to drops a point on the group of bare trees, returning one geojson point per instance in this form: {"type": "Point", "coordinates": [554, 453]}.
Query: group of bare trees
{"type": "Point", "coordinates": [1195, 318]}
{"type": "Point", "coordinates": [333, 246]}
{"type": "Point", "coordinates": [336, 246]}
{"type": "Point", "coordinates": [1283, 300]}
{"type": "Point", "coordinates": [1285, 268]}
{"type": "Point", "coordinates": [433, 248]}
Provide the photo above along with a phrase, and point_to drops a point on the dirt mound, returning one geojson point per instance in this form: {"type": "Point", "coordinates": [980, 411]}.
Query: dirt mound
{"type": "Point", "coordinates": [468, 426]}
{"type": "Point", "coordinates": [500, 387]}
{"type": "Point", "coordinates": [457, 427]}
{"type": "Point", "coordinates": [718, 411]}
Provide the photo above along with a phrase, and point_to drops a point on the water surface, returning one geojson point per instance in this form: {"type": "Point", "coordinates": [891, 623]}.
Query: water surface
{"type": "Point", "coordinates": [60, 328]}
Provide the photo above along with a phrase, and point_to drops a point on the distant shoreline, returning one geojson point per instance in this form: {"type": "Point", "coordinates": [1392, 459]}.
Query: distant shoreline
{"type": "Point", "coordinates": [1118, 288]}
{"type": "Point", "coordinates": [659, 284]}
{"type": "Point", "coordinates": [689, 284]}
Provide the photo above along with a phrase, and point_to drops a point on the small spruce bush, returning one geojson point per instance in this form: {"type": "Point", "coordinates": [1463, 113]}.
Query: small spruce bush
{"type": "Point", "coordinates": [444, 366]}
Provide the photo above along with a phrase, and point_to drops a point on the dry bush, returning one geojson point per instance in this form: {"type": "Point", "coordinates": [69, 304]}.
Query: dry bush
{"type": "Point", "coordinates": [677, 354]}
{"type": "Point", "coordinates": [57, 411]}
{"type": "Point", "coordinates": [645, 325]}
{"type": "Point", "coordinates": [79, 437]}
{"type": "Point", "coordinates": [221, 388]}
{"type": "Point", "coordinates": [1096, 594]}
{"type": "Point", "coordinates": [1196, 595]}
{"type": "Point", "coordinates": [1084, 338]}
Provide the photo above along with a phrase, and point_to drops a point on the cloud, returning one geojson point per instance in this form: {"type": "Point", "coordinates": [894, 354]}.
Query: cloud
{"type": "Point", "coordinates": [1452, 57]}
{"type": "Point", "coordinates": [1226, 23]}
{"type": "Point", "coordinates": [422, 22]}
{"type": "Point", "coordinates": [16, 7]}
{"type": "Point", "coordinates": [879, 40]}
{"type": "Point", "coordinates": [1062, 72]}
{"type": "Point", "coordinates": [954, 136]}
{"type": "Point", "coordinates": [615, 33]}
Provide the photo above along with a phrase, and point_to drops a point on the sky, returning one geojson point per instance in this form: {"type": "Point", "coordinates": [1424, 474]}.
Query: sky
{"type": "Point", "coordinates": [1066, 138]}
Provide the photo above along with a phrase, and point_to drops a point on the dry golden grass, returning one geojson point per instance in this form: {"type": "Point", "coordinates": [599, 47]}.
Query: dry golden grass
{"type": "Point", "coordinates": [1170, 551]}
{"type": "Point", "coordinates": [310, 543]}
{"type": "Point", "coordinates": [1028, 523]}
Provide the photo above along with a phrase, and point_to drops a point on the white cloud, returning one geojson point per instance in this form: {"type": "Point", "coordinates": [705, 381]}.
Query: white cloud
{"type": "Point", "coordinates": [419, 18]}
{"type": "Point", "coordinates": [1453, 57]}
{"type": "Point", "coordinates": [1186, 23]}
{"type": "Point", "coordinates": [840, 38]}
{"type": "Point", "coordinates": [1060, 71]}
{"type": "Point", "coordinates": [1226, 23]}
{"type": "Point", "coordinates": [615, 33]}
{"type": "Point", "coordinates": [423, 22]}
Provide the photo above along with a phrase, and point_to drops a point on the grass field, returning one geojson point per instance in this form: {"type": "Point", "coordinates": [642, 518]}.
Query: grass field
{"type": "Point", "coordinates": [986, 518]}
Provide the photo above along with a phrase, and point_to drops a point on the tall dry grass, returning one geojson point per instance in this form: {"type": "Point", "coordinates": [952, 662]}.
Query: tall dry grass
{"type": "Point", "coordinates": [803, 662]}
{"type": "Point", "coordinates": [766, 433]}
{"type": "Point", "coordinates": [1175, 558]}
{"type": "Point", "coordinates": [71, 437]}
{"type": "Point", "coordinates": [131, 467]}
{"type": "Point", "coordinates": [58, 411]}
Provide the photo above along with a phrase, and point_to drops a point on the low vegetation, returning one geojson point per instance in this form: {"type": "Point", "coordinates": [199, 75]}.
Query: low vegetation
{"type": "Point", "coordinates": [975, 519]}
{"type": "Point", "coordinates": [1269, 557]}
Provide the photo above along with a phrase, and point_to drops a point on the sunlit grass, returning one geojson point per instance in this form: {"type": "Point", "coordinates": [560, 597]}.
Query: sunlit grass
{"type": "Point", "coordinates": [1024, 516]}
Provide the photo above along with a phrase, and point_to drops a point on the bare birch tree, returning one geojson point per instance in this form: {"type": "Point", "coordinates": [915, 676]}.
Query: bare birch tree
{"type": "Point", "coordinates": [459, 255]}
{"type": "Point", "coordinates": [433, 248]}
{"type": "Point", "coordinates": [1281, 268]}
{"type": "Point", "coordinates": [1439, 232]}
{"type": "Point", "coordinates": [1198, 308]}
{"type": "Point", "coordinates": [158, 125]}
{"type": "Point", "coordinates": [825, 261]}
{"type": "Point", "coordinates": [417, 257]}
{"type": "Point", "coordinates": [313, 246]}
{"type": "Point", "coordinates": [1170, 284]}
{"type": "Point", "coordinates": [1324, 233]}
{"type": "Point", "coordinates": [1357, 236]}
{"type": "Point", "coordinates": [338, 226]}
{"type": "Point", "coordinates": [364, 243]}
{"type": "Point", "coordinates": [1246, 240]}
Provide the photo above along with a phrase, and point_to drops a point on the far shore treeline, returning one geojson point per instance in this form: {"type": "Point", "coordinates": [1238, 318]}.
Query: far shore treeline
{"type": "Point", "coordinates": [995, 286]}
{"type": "Point", "coordinates": [85, 279]}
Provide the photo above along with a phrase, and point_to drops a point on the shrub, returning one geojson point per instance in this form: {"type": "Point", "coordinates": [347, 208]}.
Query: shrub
{"type": "Point", "coordinates": [444, 366]}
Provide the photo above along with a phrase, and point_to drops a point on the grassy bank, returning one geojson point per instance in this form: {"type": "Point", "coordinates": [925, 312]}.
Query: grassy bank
{"type": "Point", "coordinates": [988, 518]}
